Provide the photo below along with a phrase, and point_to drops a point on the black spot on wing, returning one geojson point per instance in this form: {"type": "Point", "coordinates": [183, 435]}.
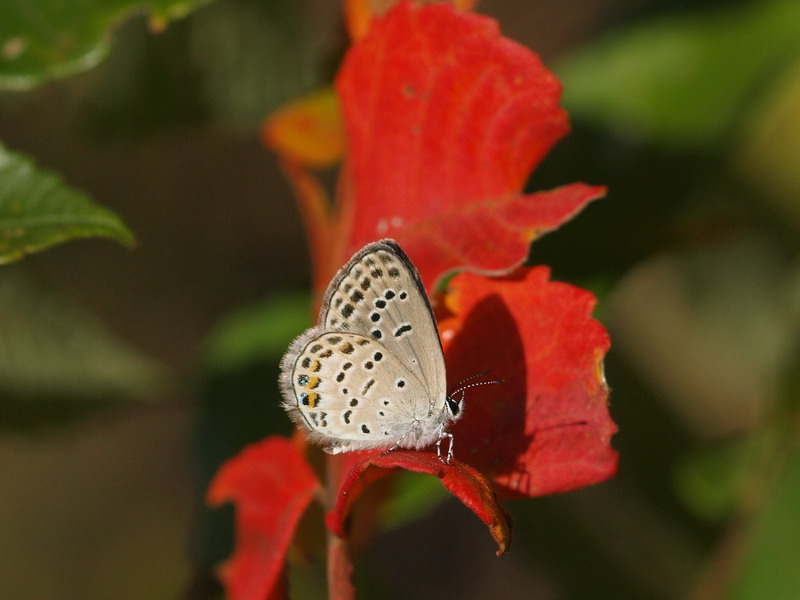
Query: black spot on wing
{"type": "Point", "coordinates": [402, 330]}
{"type": "Point", "coordinates": [368, 385]}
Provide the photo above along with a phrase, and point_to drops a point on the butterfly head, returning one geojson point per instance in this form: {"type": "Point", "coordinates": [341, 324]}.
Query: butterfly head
{"type": "Point", "coordinates": [454, 403]}
{"type": "Point", "coordinates": [454, 406]}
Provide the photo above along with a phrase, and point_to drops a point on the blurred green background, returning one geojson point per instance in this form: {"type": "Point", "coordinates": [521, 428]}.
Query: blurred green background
{"type": "Point", "coordinates": [127, 376]}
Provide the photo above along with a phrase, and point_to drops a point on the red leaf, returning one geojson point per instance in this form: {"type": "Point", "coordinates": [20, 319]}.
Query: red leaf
{"type": "Point", "coordinates": [445, 120]}
{"type": "Point", "coordinates": [271, 485]}
{"type": "Point", "coordinates": [350, 481]}
{"type": "Point", "coordinates": [546, 428]}
{"type": "Point", "coordinates": [467, 484]}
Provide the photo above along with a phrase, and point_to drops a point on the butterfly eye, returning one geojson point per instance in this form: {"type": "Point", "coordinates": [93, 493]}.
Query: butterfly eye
{"type": "Point", "coordinates": [453, 406]}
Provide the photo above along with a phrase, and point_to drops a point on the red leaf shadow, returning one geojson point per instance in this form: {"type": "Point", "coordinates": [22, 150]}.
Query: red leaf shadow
{"type": "Point", "coordinates": [491, 433]}
{"type": "Point", "coordinates": [547, 428]}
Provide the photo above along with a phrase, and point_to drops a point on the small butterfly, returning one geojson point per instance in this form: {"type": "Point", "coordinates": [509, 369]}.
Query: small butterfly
{"type": "Point", "coordinates": [371, 373]}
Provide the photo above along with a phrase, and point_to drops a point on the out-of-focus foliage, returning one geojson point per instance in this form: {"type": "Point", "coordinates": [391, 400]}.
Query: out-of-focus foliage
{"type": "Point", "coordinates": [41, 39]}
{"type": "Point", "coordinates": [686, 311]}
{"type": "Point", "coordinates": [38, 210]}
{"type": "Point", "coordinates": [257, 333]}
{"type": "Point", "coordinates": [772, 551]}
{"type": "Point", "coordinates": [57, 360]}
{"type": "Point", "coordinates": [707, 314]}
{"type": "Point", "coordinates": [683, 79]}
{"type": "Point", "coordinates": [767, 153]}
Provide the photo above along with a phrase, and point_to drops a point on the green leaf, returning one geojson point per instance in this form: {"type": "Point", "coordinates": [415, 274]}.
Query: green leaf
{"type": "Point", "coordinates": [40, 39]}
{"type": "Point", "coordinates": [57, 360]}
{"type": "Point", "coordinates": [682, 80]}
{"type": "Point", "coordinates": [257, 333]}
{"type": "Point", "coordinates": [772, 553]}
{"type": "Point", "coordinates": [38, 210]}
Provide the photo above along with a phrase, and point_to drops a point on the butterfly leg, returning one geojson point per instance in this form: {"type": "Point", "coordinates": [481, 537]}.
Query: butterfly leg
{"type": "Point", "coordinates": [400, 441]}
{"type": "Point", "coordinates": [444, 434]}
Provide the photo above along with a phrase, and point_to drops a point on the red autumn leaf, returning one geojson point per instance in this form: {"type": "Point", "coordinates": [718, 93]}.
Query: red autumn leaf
{"type": "Point", "coordinates": [547, 428]}
{"type": "Point", "coordinates": [271, 485]}
{"type": "Point", "coordinates": [463, 481]}
{"type": "Point", "coordinates": [445, 119]}
{"type": "Point", "coordinates": [359, 13]}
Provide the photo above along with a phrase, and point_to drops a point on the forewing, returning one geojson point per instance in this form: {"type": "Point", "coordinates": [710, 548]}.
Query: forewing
{"type": "Point", "coordinates": [348, 391]}
{"type": "Point", "coordinates": [378, 294]}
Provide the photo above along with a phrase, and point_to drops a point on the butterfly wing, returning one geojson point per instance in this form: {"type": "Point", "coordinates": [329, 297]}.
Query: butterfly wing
{"type": "Point", "coordinates": [349, 393]}
{"type": "Point", "coordinates": [371, 373]}
{"type": "Point", "coordinates": [379, 294]}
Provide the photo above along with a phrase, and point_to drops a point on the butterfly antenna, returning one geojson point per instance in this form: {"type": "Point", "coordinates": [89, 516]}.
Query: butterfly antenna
{"type": "Point", "coordinates": [461, 387]}
{"type": "Point", "coordinates": [470, 378]}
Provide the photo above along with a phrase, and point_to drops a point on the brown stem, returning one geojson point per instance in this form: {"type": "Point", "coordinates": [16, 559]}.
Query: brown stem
{"type": "Point", "coordinates": [340, 570]}
{"type": "Point", "coordinates": [340, 563]}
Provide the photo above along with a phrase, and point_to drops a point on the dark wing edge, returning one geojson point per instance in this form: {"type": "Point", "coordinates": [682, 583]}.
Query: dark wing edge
{"type": "Point", "coordinates": [392, 246]}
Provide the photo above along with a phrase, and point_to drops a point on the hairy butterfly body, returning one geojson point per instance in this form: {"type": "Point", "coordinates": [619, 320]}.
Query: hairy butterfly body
{"type": "Point", "coordinates": [371, 373]}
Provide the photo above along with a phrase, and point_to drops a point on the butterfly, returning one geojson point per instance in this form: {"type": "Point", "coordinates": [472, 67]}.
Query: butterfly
{"type": "Point", "coordinates": [371, 373]}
